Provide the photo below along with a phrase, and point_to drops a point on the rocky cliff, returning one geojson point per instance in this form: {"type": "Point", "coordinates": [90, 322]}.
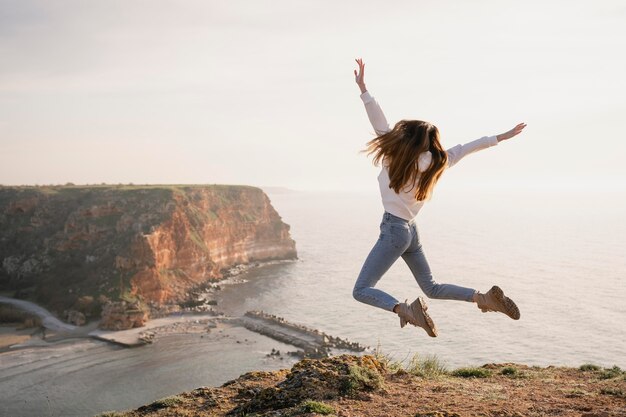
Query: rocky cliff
{"type": "Point", "coordinates": [70, 246]}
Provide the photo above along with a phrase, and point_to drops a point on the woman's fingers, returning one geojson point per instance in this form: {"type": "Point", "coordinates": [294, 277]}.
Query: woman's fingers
{"type": "Point", "coordinates": [517, 129]}
{"type": "Point", "coordinates": [359, 75]}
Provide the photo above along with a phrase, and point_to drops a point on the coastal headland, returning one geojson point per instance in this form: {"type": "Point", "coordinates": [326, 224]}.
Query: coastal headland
{"type": "Point", "coordinates": [137, 262]}
{"type": "Point", "coordinates": [131, 251]}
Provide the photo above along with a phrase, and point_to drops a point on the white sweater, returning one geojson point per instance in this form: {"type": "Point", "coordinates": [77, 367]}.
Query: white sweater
{"type": "Point", "coordinates": [404, 204]}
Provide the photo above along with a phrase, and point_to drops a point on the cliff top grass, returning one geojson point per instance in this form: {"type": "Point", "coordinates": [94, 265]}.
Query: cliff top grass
{"type": "Point", "coordinates": [373, 385]}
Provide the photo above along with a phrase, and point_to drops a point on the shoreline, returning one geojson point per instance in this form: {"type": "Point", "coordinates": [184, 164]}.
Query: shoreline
{"type": "Point", "coordinates": [11, 334]}
{"type": "Point", "coordinates": [172, 324]}
{"type": "Point", "coordinates": [306, 342]}
{"type": "Point", "coordinates": [162, 319]}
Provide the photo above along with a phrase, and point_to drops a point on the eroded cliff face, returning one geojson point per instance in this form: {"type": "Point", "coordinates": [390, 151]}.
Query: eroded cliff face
{"type": "Point", "coordinates": [60, 244]}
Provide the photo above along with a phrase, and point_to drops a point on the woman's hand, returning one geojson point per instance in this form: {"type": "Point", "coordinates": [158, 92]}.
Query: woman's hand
{"type": "Point", "coordinates": [513, 132]}
{"type": "Point", "coordinates": [360, 76]}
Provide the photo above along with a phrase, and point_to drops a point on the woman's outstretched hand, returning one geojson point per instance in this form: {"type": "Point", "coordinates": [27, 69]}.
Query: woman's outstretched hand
{"type": "Point", "coordinates": [513, 132]}
{"type": "Point", "coordinates": [360, 76]}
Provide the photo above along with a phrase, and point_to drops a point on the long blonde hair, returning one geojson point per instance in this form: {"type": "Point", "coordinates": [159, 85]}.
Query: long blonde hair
{"type": "Point", "coordinates": [401, 148]}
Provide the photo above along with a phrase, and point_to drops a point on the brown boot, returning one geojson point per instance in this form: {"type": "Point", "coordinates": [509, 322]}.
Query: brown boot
{"type": "Point", "coordinates": [495, 300]}
{"type": "Point", "coordinates": [415, 313]}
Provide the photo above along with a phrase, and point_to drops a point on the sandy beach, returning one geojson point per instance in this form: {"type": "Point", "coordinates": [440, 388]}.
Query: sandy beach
{"type": "Point", "coordinates": [12, 334]}
{"type": "Point", "coordinates": [186, 352]}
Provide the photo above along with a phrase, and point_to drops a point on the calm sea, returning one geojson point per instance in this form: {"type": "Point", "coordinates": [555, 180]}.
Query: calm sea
{"type": "Point", "coordinates": [560, 256]}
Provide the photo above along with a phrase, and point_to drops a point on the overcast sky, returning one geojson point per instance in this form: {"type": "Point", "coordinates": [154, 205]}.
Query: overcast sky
{"type": "Point", "coordinates": [263, 92]}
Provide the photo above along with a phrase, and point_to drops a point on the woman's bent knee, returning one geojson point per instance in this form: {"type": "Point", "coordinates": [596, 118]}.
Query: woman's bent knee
{"type": "Point", "coordinates": [432, 291]}
{"type": "Point", "coordinates": [357, 294]}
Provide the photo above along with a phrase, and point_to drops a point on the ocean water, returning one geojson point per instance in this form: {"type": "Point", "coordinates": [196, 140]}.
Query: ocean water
{"type": "Point", "coordinates": [87, 377]}
{"type": "Point", "coordinates": [561, 257]}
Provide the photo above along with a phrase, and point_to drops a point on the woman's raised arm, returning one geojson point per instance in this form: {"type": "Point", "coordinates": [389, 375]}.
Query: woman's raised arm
{"type": "Point", "coordinates": [359, 77]}
{"type": "Point", "coordinates": [374, 112]}
{"type": "Point", "coordinates": [456, 153]}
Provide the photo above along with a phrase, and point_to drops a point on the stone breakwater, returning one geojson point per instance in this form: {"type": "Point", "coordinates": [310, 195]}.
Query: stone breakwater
{"type": "Point", "coordinates": [314, 343]}
{"type": "Point", "coordinates": [80, 247]}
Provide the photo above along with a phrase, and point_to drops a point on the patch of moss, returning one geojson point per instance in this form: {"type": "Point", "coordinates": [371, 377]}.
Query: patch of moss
{"type": "Point", "coordinates": [513, 372]}
{"type": "Point", "coordinates": [589, 367]}
{"type": "Point", "coordinates": [509, 371]}
{"type": "Point", "coordinates": [167, 402]}
{"type": "Point", "coordinates": [361, 378]}
{"type": "Point", "coordinates": [133, 298]}
{"type": "Point", "coordinates": [317, 380]}
{"type": "Point", "coordinates": [472, 373]}
{"type": "Point", "coordinates": [311, 406]}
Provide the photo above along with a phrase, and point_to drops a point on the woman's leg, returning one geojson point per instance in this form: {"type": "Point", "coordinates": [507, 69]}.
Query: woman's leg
{"type": "Point", "coordinates": [416, 260]}
{"type": "Point", "coordinates": [392, 242]}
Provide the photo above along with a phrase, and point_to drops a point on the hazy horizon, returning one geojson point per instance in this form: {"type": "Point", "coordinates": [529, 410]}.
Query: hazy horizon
{"type": "Point", "coordinates": [263, 93]}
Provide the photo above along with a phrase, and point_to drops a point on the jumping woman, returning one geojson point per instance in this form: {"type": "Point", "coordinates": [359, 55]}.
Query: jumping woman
{"type": "Point", "coordinates": [413, 160]}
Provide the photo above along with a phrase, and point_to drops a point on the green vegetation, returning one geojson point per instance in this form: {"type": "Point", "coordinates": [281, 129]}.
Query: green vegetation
{"type": "Point", "coordinates": [310, 406]}
{"type": "Point", "coordinates": [616, 392]}
{"type": "Point", "coordinates": [575, 393]}
{"type": "Point", "coordinates": [509, 371]}
{"type": "Point", "coordinates": [167, 402]}
{"type": "Point", "coordinates": [513, 372]}
{"type": "Point", "coordinates": [428, 367]}
{"type": "Point", "coordinates": [589, 367]}
{"type": "Point", "coordinates": [111, 414]}
{"type": "Point", "coordinates": [124, 286]}
{"type": "Point", "coordinates": [385, 359]}
{"type": "Point", "coordinates": [472, 373]}
{"type": "Point", "coordinates": [197, 217]}
{"type": "Point", "coordinates": [175, 272]}
{"type": "Point", "coordinates": [249, 217]}
{"type": "Point", "coordinates": [609, 373]}
{"type": "Point", "coordinates": [197, 239]}
{"type": "Point", "coordinates": [79, 222]}
{"type": "Point", "coordinates": [362, 378]}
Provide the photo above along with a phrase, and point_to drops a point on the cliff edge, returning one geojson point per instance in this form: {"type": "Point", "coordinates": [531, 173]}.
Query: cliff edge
{"type": "Point", "coordinates": [71, 247]}
{"type": "Point", "coordinates": [369, 386]}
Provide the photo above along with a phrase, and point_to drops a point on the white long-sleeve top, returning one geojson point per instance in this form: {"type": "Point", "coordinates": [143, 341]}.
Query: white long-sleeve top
{"type": "Point", "coordinates": [404, 204]}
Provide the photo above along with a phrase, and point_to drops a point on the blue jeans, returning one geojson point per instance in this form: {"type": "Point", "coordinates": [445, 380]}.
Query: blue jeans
{"type": "Point", "coordinates": [399, 238]}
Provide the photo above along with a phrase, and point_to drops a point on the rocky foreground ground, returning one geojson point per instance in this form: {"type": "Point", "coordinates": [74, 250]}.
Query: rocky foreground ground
{"type": "Point", "coordinates": [367, 386]}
